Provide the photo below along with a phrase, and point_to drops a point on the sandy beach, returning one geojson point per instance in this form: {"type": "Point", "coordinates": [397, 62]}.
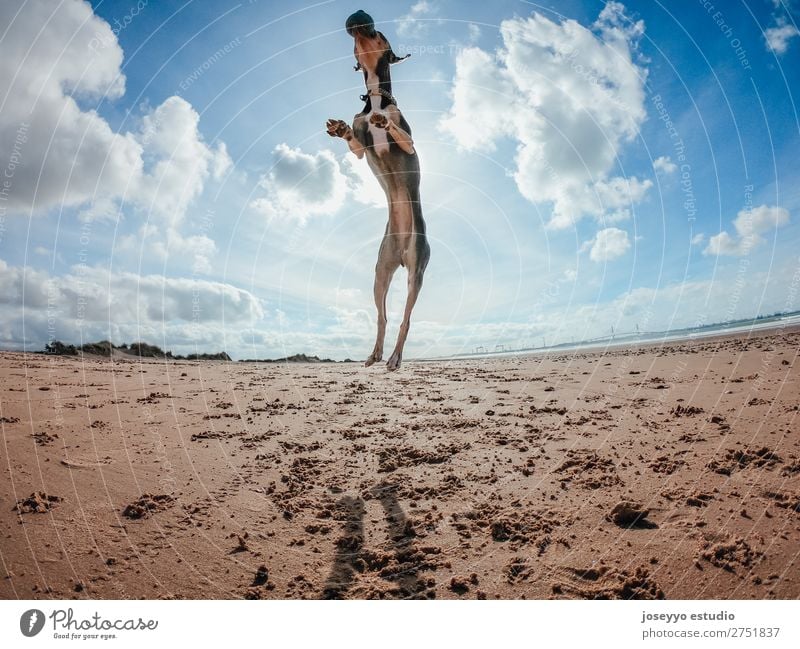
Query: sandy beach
{"type": "Point", "coordinates": [652, 472]}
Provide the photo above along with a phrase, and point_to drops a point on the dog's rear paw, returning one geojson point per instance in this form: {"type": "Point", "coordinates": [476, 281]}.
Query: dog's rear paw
{"type": "Point", "coordinates": [379, 120]}
{"type": "Point", "coordinates": [337, 128]}
{"type": "Point", "coordinates": [394, 362]}
{"type": "Point", "coordinates": [373, 358]}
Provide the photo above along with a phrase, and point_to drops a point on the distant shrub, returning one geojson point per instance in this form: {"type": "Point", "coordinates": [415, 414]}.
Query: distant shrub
{"type": "Point", "coordinates": [142, 349]}
{"type": "Point", "coordinates": [145, 350]}
{"type": "Point", "coordinates": [221, 356]}
{"type": "Point", "coordinates": [57, 347]}
{"type": "Point", "coordinates": [101, 348]}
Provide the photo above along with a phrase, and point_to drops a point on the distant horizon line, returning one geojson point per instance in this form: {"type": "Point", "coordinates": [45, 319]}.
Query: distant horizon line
{"type": "Point", "coordinates": [615, 338]}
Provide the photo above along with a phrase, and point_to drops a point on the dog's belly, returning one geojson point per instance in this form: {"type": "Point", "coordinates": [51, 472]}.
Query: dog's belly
{"type": "Point", "coordinates": [380, 139]}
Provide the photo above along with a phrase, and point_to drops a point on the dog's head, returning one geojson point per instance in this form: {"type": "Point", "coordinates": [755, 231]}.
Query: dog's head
{"type": "Point", "coordinates": [372, 50]}
{"type": "Point", "coordinates": [360, 23]}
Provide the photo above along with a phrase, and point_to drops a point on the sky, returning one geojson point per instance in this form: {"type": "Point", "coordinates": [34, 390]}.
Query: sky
{"type": "Point", "coordinates": [165, 174]}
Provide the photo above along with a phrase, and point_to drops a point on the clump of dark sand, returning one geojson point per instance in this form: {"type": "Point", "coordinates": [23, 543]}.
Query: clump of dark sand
{"type": "Point", "coordinates": [37, 503]}
{"type": "Point", "coordinates": [628, 514]}
{"type": "Point", "coordinates": [146, 505]}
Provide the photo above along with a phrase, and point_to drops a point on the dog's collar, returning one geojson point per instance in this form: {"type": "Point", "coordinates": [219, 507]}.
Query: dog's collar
{"type": "Point", "coordinates": [380, 92]}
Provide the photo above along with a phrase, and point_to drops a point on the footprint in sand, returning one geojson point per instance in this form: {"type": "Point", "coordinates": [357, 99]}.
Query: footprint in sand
{"type": "Point", "coordinates": [85, 464]}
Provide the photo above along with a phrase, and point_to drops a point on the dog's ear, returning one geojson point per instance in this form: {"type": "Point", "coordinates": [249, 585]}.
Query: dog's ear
{"type": "Point", "coordinates": [393, 58]}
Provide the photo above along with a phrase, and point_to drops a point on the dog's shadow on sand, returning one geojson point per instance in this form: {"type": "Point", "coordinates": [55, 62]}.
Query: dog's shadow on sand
{"type": "Point", "coordinates": [352, 558]}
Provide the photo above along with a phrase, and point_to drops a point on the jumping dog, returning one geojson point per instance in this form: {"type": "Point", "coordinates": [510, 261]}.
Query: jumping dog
{"type": "Point", "coordinates": [381, 133]}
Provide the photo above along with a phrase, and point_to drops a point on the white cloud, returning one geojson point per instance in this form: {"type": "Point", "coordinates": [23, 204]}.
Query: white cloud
{"type": "Point", "coordinates": [363, 185]}
{"type": "Point", "coordinates": [102, 208]}
{"type": "Point", "coordinates": [179, 161]}
{"type": "Point", "coordinates": [410, 24]}
{"type": "Point", "coordinates": [194, 252]}
{"type": "Point", "coordinates": [609, 244]}
{"type": "Point", "coordinates": [480, 113]}
{"type": "Point", "coordinates": [301, 185]}
{"type": "Point", "coordinates": [759, 220]}
{"type": "Point", "coordinates": [221, 162]}
{"type": "Point", "coordinates": [46, 65]}
{"type": "Point", "coordinates": [749, 225]}
{"type": "Point", "coordinates": [778, 37]}
{"type": "Point", "coordinates": [681, 304]}
{"type": "Point", "coordinates": [664, 165]}
{"type": "Point", "coordinates": [59, 61]}
{"type": "Point", "coordinates": [88, 302]}
{"type": "Point", "coordinates": [698, 239]}
{"type": "Point", "coordinates": [723, 244]}
{"type": "Point", "coordinates": [197, 249]}
{"type": "Point", "coordinates": [569, 97]}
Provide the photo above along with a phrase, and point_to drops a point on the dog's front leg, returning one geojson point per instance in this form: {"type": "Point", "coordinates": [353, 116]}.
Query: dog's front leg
{"type": "Point", "coordinates": [339, 128]}
{"type": "Point", "coordinates": [401, 137]}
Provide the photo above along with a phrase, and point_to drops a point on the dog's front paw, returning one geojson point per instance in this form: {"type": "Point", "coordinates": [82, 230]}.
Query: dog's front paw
{"type": "Point", "coordinates": [379, 120]}
{"type": "Point", "coordinates": [337, 128]}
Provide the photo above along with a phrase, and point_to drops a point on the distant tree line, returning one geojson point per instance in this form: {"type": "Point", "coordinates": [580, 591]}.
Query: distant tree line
{"type": "Point", "coordinates": [144, 350]}
{"type": "Point", "coordinates": [296, 358]}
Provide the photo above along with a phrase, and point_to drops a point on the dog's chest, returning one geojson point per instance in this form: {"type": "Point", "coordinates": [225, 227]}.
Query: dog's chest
{"type": "Point", "coordinates": [380, 139]}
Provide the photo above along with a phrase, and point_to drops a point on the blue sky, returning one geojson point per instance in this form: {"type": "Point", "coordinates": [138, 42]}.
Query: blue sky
{"type": "Point", "coordinates": [586, 165]}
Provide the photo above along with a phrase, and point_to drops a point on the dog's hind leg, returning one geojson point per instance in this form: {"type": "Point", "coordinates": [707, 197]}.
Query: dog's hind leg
{"type": "Point", "coordinates": [384, 270]}
{"type": "Point", "coordinates": [415, 273]}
